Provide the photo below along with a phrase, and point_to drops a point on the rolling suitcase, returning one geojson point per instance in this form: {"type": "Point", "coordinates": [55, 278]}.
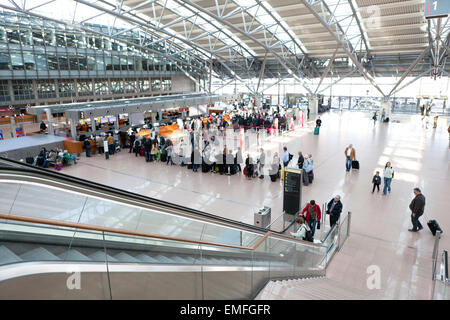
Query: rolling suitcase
{"type": "Point", "coordinates": [273, 177]}
{"type": "Point", "coordinates": [355, 164]}
{"type": "Point", "coordinates": [163, 156]}
{"type": "Point", "coordinates": [316, 130]}
{"type": "Point", "coordinates": [434, 226]}
{"type": "Point", "coordinates": [141, 151]}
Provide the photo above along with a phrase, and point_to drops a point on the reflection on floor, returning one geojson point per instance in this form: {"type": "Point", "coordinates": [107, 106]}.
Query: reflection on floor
{"type": "Point", "coordinates": [379, 230]}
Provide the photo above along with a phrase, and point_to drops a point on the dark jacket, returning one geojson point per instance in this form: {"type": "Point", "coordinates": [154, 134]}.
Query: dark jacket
{"type": "Point", "coordinates": [376, 180]}
{"type": "Point", "coordinates": [148, 145]}
{"type": "Point", "coordinates": [337, 208]}
{"type": "Point", "coordinates": [418, 204]}
{"type": "Point", "coordinates": [300, 161]}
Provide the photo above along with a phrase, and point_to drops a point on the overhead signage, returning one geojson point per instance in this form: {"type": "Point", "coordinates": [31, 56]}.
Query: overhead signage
{"type": "Point", "coordinates": [436, 8]}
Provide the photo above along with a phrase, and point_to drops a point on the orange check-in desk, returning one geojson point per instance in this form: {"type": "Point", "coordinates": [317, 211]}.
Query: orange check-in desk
{"type": "Point", "coordinates": [77, 146]}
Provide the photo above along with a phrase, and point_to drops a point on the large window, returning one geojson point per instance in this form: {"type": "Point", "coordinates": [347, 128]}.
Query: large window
{"type": "Point", "coordinates": [23, 89]}
{"type": "Point", "coordinates": [116, 86]}
{"type": "Point", "coordinates": [66, 88]}
{"type": "Point", "coordinates": [4, 61]}
{"type": "Point", "coordinates": [4, 91]}
{"type": "Point", "coordinates": [17, 60]}
{"type": "Point", "coordinates": [144, 85]}
{"type": "Point", "coordinates": [130, 86]}
{"type": "Point", "coordinates": [46, 89]}
{"type": "Point", "coordinates": [156, 84]}
{"type": "Point", "coordinates": [166, 84]}
{"type": "Point", "coordinates": [101, 87]}
{"type": "Point", "coordinates": [85, 88]}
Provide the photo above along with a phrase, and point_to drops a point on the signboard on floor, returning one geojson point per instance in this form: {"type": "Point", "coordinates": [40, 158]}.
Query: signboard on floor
{"type": "Point", "coordinates": [292, 190]}
{"type": "Point", "coordinates": [19, 132]}
{"type": "Point", "coordinates": [437, 8]}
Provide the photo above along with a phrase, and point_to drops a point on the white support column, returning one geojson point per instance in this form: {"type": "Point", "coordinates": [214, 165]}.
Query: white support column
{"type": "Point", "coordinates": [50, 122]}
{"type": "Point", "coordinates": [313, 103]}
{"type": "Point", "coordinates": [93, 125]}
{"type": "Point", "coordinates": [116, 124]}
{"type": "Point", "coordinates": [73, 129]}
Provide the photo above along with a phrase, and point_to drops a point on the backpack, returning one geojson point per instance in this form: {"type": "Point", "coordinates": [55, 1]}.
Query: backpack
{"type": "Point", "coordinates": [313, 214]}
{"type": "Point", "coordinates": [308, 236]}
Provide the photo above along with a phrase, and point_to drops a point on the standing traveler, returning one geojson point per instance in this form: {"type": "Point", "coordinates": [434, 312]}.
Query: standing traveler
{"type": "Point", "coordinates": [262, 161]}
{"type": "Point", "coordinates": [388, 176]}
{"type": "Point", "coordinates": [334, 209]}
{"type": "Point", "coordinates": [350, 155]}
{"type": "Point", "coordinates": [111, 143]}
{"type": "Point", "coordinates": [87, 147]}
{"type": "Point", "coordinates": [374, 118]}
{"type": "Point", "coordinates": [318, 122]}
{"type": "Point", "coordinates": [286, 157]}
{"type": "Point", "coordinates": [383, 115]}
{"type": "Point", "coordinates": [376, 180]}
{"type": "Point", "coordinates": [313, 215]}
{"type": "Point", "coordinates": [132, 140]}
{"type": "Point", "coordinates": [99, 142]}
{"type": "Point", "coordinates": [300, 160]}
{"type": "Point", "coordinates": [249, 166]}
{"type": "Point", "coordinates": [147, 148]}
{"type": "Point", "coordinates": [417, 206]}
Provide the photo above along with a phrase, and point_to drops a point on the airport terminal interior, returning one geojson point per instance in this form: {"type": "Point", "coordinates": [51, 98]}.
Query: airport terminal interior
{"type": "Point", "coordinates": [224, 149]}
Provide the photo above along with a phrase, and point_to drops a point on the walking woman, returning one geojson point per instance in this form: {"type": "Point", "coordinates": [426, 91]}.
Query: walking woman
{"type": "Point", "coordinates": [388, 176]}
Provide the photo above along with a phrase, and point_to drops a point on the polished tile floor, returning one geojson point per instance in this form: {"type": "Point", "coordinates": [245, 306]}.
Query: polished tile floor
{"type": "Point", "coordinates": [379, 229]}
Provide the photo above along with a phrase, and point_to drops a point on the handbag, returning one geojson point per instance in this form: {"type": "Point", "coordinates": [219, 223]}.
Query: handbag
{"type": "Point", "coordinates": [318, 224]}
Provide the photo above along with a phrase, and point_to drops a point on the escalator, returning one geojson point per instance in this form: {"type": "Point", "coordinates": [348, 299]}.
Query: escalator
{"type": "Point", "coordinates": [66, 238]}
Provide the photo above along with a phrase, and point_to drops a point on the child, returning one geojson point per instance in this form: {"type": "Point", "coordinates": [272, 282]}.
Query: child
{"type": "Point", "coordinates": [376, 181]}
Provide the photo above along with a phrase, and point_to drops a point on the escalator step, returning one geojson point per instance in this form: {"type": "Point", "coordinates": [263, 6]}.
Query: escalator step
{"type": "Point", "coordinates": [39, 254]}
{"type": "Point", "coordinates": [7, 256]}
{"type": "Point", "coordinates": [73, 255]}
{"type": "Point", "coordinates": [163, 259]}
{"type": "Point", "coordinates": [145, 258]}
{"type": "Point", "coordinates": [125, 257]}
{"type": "Point", "coordinates": [100, 256]}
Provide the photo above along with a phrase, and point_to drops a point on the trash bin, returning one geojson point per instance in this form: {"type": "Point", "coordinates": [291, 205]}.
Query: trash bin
{"type": "Point", "coordinates": [263, 217]}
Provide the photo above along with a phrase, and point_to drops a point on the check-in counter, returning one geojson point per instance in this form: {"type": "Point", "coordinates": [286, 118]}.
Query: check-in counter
{"type": "Point", "coordinates": [77, 146]}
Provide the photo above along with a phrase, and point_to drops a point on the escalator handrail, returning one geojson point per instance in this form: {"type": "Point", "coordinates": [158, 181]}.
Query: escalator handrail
{"type": "Point", "coordinates": [52, 222]}
{"type": "Point", "coordinates": [121, 193]}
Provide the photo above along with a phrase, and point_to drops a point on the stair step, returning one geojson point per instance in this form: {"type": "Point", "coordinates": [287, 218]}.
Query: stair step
{"type": "Point", "coordinates": [39, 254]}
{"type": "Point", "coordinates": [163, 259]}
{"type": "Point", "coordinates": [73, 255]}
{"type": "Point", "coordinates": [7, 256]}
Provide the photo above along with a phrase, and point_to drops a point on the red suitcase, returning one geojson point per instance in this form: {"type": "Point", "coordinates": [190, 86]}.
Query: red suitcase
{"type": "Point", "coordinates": [141, 151]}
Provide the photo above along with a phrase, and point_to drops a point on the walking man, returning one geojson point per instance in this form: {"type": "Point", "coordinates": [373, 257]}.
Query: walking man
{"type": "Point", "coordinates": [334, 209]}
{"type": "Point", "coordinates": [417, 206]}
{"type": "Point", "coordinates": [350, 155]}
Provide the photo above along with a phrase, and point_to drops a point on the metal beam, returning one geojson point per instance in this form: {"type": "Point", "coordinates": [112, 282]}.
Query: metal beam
{"type": "Point", "coordinates": [330, 64]}
{"type": "Point", "coordinates": [413, 80]}
{"type": "Point", "coordinates": [408, 71]}
{"type": "Point", "coordinates": [341, 40]}
{"type": "Point", "coordinates": [338, 80]}
{"type": "Point", "coordinates": [232, 27]}
{"type": "Point", "coordinates": [261, 73]}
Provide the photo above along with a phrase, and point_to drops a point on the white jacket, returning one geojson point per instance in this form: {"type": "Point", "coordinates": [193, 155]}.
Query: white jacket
{"type": "Point", "coordinates": [301, 232]}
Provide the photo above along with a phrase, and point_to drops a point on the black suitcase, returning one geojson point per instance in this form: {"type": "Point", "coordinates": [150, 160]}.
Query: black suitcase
{"type": "Point", "coordinates": [434, 226]}
{"type": "Point", "coordinates": [29, 160]}
{"type": "Point", "coordinates": [163, 157]}
{"type": "Point", "coordinates": [189, 166]}
{"type": "Point", "coordinates": [206, 167]}
{"type": "Point", "coordinates": [273, 177]}
{"type": "Point", "coordinates": [355, 164]}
